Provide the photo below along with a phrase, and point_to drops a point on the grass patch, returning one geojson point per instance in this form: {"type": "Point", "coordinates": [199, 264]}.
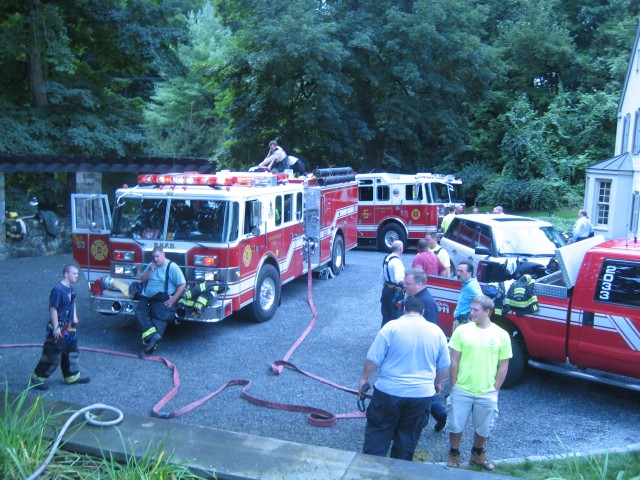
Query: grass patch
{"type": "Point", "coordinates": [24, 446]}
{"type": "Point", "coordinates": [563, 220]}
{"type": "Point", "coordinates": [619, 466]}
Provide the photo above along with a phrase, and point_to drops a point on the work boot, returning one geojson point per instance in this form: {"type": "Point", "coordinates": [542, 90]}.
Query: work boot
{"type": "Point", "coordinates": [440, 423]}
{"type": "Point", "coordinates": [80, 381]}
{"type": "Point", "coordinates": [151, 345]}
{"type": "Point", "coordinates": [480, 460]}
{"type": "Point", "coordinates": [454, 459]}
{"type": "Point", "coordinates": [38, 382]}
{"type": "Point", "coordinates": [39, 385]}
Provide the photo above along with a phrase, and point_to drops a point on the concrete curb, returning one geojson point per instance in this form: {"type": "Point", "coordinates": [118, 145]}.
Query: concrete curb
{"type": "Point", "coordinates": [226, 455]}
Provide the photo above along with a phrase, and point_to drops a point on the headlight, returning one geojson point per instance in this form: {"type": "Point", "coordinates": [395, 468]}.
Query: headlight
{"type": "Point", "coordinates": [125, 270]}
{"type": "Point", "coordinates": [205, 275]}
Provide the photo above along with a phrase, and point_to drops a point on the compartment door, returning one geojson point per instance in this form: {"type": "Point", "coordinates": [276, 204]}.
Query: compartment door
{"type": "Point", "coordinates": [90, 229]}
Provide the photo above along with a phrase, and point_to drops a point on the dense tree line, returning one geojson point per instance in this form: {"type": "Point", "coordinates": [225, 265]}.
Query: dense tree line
{"type": "Point", "coordinates": [510, 95]}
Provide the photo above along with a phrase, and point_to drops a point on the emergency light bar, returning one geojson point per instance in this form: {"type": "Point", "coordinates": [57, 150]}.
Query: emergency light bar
{"type": "Point", "coordinates": [220, 179]}
{"type": "Point", "coordinates": [439, 177]}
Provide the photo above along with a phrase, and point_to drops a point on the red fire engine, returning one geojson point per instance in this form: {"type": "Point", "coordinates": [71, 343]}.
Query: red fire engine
{"type": "Point", "coordinates": [243, 234]}
{"type": "Point", "coordinates": [403, 207]}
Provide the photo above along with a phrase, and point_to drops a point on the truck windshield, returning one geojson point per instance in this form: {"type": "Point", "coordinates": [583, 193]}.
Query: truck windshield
{"type": "Point", "coordinates": [533, 241]}
{"type": "Point", "coordinates": [445, 193]}
{"type": "Point", "coordinates": [178, 219]}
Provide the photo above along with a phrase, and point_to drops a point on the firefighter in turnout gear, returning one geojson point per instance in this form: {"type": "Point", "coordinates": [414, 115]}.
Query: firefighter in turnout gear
{"type": "Point", "coordinates": [196, 298]}
{"type": "Point", "coordinates": [61, 343]}
{"type": "Point", "coordinates": [164, 284]}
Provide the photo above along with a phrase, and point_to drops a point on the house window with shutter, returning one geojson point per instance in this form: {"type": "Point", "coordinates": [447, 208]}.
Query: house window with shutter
{"type": "Point", "coordinates": [636, 133]}
{"type": "Point", "coordinates": [604, 197]}
{"type": "Point", "coordinates": [624, 146]}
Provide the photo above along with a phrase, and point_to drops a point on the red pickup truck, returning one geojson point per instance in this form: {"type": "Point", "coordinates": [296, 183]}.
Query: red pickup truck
{"type": "Point", "coordinates": [588, 324]}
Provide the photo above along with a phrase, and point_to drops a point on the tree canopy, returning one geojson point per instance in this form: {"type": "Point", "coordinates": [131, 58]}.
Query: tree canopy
{"type": "Point", "coordinates": [509, 95]}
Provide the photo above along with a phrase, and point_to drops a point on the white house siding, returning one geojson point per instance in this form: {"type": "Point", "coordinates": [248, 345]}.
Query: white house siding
{"type": "Point", "coordinates": [623, 171]}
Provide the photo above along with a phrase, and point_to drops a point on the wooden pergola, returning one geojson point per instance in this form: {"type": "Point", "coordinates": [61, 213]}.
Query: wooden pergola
{"type": "Point", "coordinates": [88, 171]}
{"type": "Point", "coordinates": [29, 163]}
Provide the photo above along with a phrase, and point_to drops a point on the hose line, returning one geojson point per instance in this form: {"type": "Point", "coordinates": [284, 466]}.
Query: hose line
{"type": "Point", "coordinates": [91, 419]}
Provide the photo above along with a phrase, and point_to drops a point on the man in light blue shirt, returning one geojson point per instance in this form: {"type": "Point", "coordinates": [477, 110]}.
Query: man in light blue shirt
{"type": "Point", "coordinates": [164, 284]}
{"type": "Point", "coordinates": [413, 359]}
{"type": "Point", "coordinates": [470, 288]}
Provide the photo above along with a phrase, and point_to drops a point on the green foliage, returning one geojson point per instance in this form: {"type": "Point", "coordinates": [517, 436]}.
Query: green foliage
{"type": "Point", "coordinates": [25, 426]}
{"type": "Point", "coordinates": [51, 195]}
{"type": "Point", "coordinates": [526, 194]}
{"type": "Point", "coordinates": [352, 82]}
{"type": "Point", "coordinates": [523, 89]}
{"type": "Point", "coordinates": [474, 177]}
{"type": "Point", "coordinates": [154, 462]}
{"type": "Point", "coordinates": [182, 119]}
{"type": "Point", "coordinates": [91, 61]}
{"type": "Point", "coordinates": [589, 467]}
{"type": "Point", "coordinates": [22, 435]}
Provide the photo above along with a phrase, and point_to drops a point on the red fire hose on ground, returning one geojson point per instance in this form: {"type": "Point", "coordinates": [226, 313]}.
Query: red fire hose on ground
{"type": "Point", "coordinates": [315, 416]}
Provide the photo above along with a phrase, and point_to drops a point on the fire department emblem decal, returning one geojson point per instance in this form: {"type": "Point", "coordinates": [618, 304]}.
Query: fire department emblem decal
{"type": "Point", "coordinates": [246, 255]}
{"type": "Point", "coordinates": [415, 214]}
{"type": "Point", "coordinates": [99, 250]}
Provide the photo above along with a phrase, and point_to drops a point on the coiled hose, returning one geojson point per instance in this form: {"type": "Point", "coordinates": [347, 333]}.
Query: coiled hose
{"type": "Point", "coordinates": [91, 419]}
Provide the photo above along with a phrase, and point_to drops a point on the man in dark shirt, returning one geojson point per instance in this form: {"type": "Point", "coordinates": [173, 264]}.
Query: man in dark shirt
{"type": "Point", "coordinates": [61, 343]}
{"type": "Point", "coordinates": [415, 285]}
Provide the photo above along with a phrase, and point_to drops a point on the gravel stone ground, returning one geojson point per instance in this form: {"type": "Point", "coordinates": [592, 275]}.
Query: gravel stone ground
{"type": "Point", "coordinates": [545, 415]}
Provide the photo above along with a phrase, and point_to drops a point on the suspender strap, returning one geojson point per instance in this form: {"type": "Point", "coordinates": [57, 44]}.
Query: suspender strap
{"type": "Point", "coordinates": [386, 266]}
{"type": "Point", "coordinates": [166, 278]}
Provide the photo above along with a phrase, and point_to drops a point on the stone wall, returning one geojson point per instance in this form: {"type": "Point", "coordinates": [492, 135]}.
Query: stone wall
{"type": "Point", "coordinates": [37, 242]}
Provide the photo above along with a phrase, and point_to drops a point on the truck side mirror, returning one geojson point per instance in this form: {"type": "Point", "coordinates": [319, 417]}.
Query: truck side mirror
{"type": "Point", "coordinates": [490, 272]}
{"type": "Point", "coordinates": [483, 251]}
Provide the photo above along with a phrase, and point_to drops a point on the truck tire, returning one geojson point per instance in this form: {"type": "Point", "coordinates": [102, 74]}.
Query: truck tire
{"type": "Point", "coordinates": [389, 234]}
{"type": "Point", "coordinates": [337, 256]}
{"type": "Point", "coordinates": [267, 294]}
{"type": "Point", "coordinates": [516, 365]}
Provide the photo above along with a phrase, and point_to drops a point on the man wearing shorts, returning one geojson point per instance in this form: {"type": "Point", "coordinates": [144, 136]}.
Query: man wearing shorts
{"type": "Point", "coordinates": [480, 353]}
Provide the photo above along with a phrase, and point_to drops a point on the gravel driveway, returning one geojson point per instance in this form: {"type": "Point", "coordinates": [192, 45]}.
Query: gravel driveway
{"type": "Point", "coordinates": [546, 414]}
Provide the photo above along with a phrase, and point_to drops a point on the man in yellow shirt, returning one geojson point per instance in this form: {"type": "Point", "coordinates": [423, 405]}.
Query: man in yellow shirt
{"type": "Point", "coordinates": [441, 253]}
{"type": "Point", "coordinates": [480, 353]}
{"type": "Point", "coordinates": [446, 221]}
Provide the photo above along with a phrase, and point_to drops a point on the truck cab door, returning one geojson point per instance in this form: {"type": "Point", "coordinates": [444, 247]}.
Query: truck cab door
{"type": "Point", "coordinates": [90, 229]}
{"type": "Point", "coordinates": [605, 319]}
